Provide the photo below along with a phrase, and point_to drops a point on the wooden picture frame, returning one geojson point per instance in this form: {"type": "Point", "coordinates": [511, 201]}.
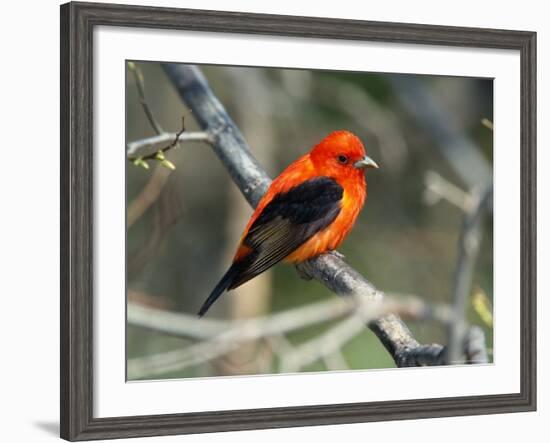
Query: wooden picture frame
{"type": "Point", "coordinates": [77, 23]}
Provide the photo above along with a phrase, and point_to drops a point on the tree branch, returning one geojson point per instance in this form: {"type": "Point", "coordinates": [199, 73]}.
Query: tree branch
{"type": "Point", "coordinates": [162, 136]}
{"type": "Point", "coordinates": [475, 348]}
{"type": "Point", "coordinates": [179, 324]}
{"type": "Point", "coordinates": [322, 346]}
{"type": "Point", "coordinates": [219, 337]}
{"type": "Point", "coordinates": [148, 195]}
{"type": "Point", "coordinates": [230, 146]}
{"type": "Point", "coordinates": [148, 143]}
{"type": "Point", "coordinates": [227, 141]}
{"type": "Point", "coordinates": [140, 85]}
{"type": "Point", "coordinates": [190, 326]}
{"type": "Point", "coordinates": [438, 188]}
{"type": "Point", "coordinates": [461, 153]}
{"type": "Point", "coordinates": [468, 250]}
{"type": "Point", "coordinates": [226, 336]}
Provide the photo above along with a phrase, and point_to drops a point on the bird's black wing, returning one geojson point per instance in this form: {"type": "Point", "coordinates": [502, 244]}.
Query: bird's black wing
{"type": "Point", "coordinates": [287, 222]}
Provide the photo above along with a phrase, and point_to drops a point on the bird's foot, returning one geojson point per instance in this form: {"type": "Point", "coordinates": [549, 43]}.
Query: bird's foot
{"type": "Point", "coordinates": [337, 254]}
{"type": "Point", "coordinates": [303, 271]}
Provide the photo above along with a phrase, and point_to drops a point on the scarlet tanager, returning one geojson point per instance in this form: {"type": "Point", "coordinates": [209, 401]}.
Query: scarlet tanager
{"type": "Point", "coordinates": [308, 210]}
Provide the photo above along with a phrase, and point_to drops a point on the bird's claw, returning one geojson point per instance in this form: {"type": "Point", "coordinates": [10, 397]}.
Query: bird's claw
{"type": "Point", "coordinates": [303, 271]}
{"type": "Point", "coordinates": [337, 254]}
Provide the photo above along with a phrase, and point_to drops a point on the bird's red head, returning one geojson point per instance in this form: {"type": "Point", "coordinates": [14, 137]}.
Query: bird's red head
{"type": "Point", "coordinates": [341, 154]}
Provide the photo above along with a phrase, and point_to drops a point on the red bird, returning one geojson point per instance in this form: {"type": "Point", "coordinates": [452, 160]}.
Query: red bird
{"type": "Point", "coordinates": [308, 210]}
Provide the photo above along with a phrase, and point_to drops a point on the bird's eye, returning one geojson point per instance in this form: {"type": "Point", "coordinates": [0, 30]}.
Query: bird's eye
{"type": "Point", "coordinates": [342, 159]}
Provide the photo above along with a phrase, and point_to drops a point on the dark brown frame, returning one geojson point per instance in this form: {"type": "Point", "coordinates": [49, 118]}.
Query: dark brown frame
{"type": "Point", "coordinates": [77, 23]}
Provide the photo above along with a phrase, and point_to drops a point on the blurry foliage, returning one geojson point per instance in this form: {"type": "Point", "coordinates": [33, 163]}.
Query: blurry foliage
{"type": "Point", "coordinates": [399, 243]}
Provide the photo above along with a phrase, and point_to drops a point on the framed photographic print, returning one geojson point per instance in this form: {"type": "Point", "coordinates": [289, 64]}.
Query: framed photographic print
{"type": "Point", "coordinates": [272, 221]}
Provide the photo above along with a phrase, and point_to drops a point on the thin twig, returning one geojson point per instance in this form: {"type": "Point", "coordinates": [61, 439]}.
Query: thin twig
{"type": "Point", "coordinates": [154, 155]}
{"type": "Point", "coordinates": [219, 337]}
{"type": "Point", "coordinates": [158, 179]}
{"type": "Point", "coordinates": [140, 84]}
{"type": "Point", "coordinates": [322, 345]}
{"type": "Point", "coordinates": [438, 187]}
{"type": "Point", "coordinates": [475, 348]}
{"type": "Point", "coordinates": [148, 195]}
{"type": "Point", "coordinates": [190, 326]}
{"type": "Point", "coordinates": [145, 144]}
{"type": "Point", "coordinates": [461, 153]}
{"type": "Point", "coordinates": [133, 147]}
{"type": "Point", "coordinates": [180, 324]}
{"type": "Point", "coordinates": [231, 338]}
{"type": "Point", "coordinates": [487, 123]}
{"type": "Point", "coordinates": [417, 308]}
{"type": "Point", "coordinates": [279, 344]}
{"type": "Point", "coordinates": [174, 323]}
{"type": "Point", "coordinates": [335, 361]}
{"type": "Point", "coordinates": [244, 331]}
{"type": "Point", "coordinates": [167, 211]}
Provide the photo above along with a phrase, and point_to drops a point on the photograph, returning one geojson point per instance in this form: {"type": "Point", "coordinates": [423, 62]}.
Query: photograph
{"type": "Point", "coordinates": [347, 220]}
{"type": "Point", "coordinates": [312, 220]}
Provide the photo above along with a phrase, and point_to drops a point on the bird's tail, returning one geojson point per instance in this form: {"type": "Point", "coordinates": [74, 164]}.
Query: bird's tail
{"type": "Point", "coordinates": [222, 285]}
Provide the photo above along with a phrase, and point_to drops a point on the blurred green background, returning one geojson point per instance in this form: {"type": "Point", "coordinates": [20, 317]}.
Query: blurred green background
{"type": "Point", "coordinates": [180, 247]}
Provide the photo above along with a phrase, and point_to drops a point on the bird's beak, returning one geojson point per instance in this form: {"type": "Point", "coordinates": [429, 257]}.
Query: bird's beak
{"type": "Point", "coordinates": [365, 162]}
